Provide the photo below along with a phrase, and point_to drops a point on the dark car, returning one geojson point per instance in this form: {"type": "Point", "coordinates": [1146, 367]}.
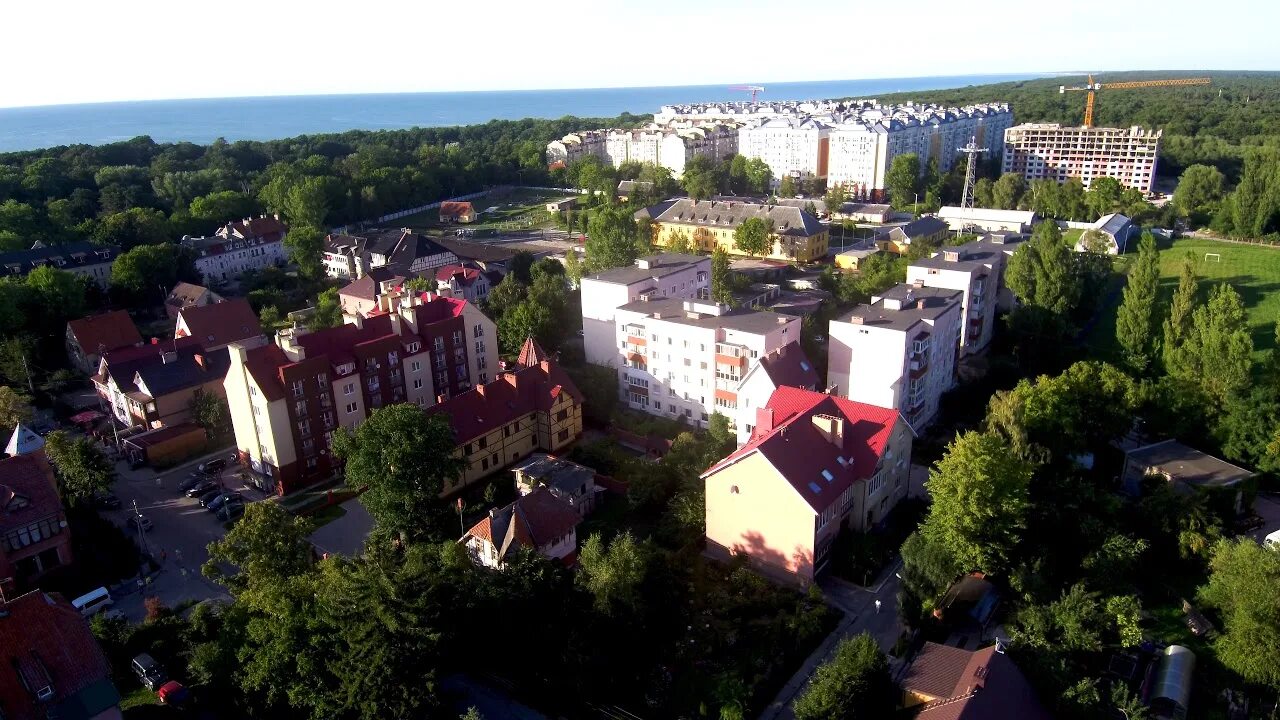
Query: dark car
{"type": "Point", "coordinates": [135, 521]}
{"type": "Point", "coordinates": [200, 488]}
{"type": "Point", "coordinates": [223, 499]}
{"type": "Point", "coordinates": [213, 467]}
{"type": "Point", "coordinates": [230, 511]}
{"type": "Point", "coordinates": [149, 671]}
{"type": "Point", "coordinates": [210, 496]}
{"type": "Point", "coordinates": [192, 481]}
{"type": "Point", "coordinates": [106, 501]}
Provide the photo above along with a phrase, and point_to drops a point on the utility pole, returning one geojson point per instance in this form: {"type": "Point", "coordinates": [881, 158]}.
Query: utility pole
{"type": "Point", "coordinates": [27, 369]}
{"type": "Point", "coordinates": [146, 549]}
{"type": "Point", "coordinates": [971, 172]}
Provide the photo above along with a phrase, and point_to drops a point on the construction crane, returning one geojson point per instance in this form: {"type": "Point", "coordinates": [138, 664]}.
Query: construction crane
{"type": "Point", "coordinates": [971, 149]}
{"type": "Point", "coordinates": [753, 89]}
{"type": "Point", "coordinates": [1093, 87]}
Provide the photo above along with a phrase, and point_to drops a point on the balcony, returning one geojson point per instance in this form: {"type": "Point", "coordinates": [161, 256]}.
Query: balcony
{"type": "Point", "coordinates": [918, 367]}
{"type": "Point", "coordinates": [726, 395]}
{"type": "Point", "coordinates": [636, 341]}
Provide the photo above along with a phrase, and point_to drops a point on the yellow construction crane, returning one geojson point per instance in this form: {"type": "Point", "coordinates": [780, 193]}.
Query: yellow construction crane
{"type": "Point", "coordinates": [1093, 87]}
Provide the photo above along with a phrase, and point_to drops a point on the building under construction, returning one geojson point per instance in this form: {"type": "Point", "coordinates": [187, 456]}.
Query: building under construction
{"type": "Point", "coordinates": [1049, 150]}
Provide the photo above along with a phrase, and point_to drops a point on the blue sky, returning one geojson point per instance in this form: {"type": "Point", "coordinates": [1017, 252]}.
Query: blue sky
{"type": "Point", "coordinates": [82, 51]}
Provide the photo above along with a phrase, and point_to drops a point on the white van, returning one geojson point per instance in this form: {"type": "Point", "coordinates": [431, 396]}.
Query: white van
{"type": "Point", "coordinates": [1273, 540]}
{"type": "Point", "coordinates": [93, 602]}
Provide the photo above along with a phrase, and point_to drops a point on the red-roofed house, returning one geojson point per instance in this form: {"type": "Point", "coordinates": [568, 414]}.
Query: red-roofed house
{"type": "Point", "coordinates": [218, 325]}
{"type": "Point", "coordinates": [285, 399]}
{"type": "Point", "coordinates": [949, 683]}
{"type": "Point", "coordinates": [815, 464]}
{"type": "Point", "coordinates": [89, 337]}
{"type": "Point", "coordinates": [784, 366]}
{"type": "Point", "coordinates": [540, 521]}
{"type": "Point", "coordinates": [185, 295]}
{"type": "Point", "coordinates": [454, 211]}
{"type": "Point", "coordinates": [239, 246]}
{"type": "Point", "coordinates": [460, 281]}
{"type": "Point", "coordinates": [33, 527]}
{"type": "Point", "coordinates": [50, 664]}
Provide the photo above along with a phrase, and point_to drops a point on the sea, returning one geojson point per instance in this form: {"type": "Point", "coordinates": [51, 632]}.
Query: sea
{"type": "Point", "coordinates": [268, 118]}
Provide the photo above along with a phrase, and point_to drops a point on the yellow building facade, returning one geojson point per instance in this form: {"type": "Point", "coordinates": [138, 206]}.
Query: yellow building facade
{"type": "Point", "coordinates": [709, 224]}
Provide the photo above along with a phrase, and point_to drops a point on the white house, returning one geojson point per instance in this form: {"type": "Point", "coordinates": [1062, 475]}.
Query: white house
{"type": "Point", "coordinates": [1113, 231]}
{"type": "Point", "coordinates": [665, 275]}
{"type": "Point", "coordinates": [240, 246]}
{"type": "Point", "coordinates": [987, 219]}
{"type": "Point", "coordinates": [539, 520]}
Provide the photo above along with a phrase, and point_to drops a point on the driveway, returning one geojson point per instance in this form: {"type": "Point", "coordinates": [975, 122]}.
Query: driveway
{"type": "Point", "coordinates": [345, 535]}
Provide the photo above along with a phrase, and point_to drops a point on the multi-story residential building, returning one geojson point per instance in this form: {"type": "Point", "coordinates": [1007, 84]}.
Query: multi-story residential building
{"type": "Point", "coordinates": [976, 269]}
{"type": "Point", "coordinates": [686, 358]}
{"type": "Point", "coordinates": [1048, 150]}
{"type": "Point", "coordinates": [786, 366]}
{"type": "Point", "coordinates": [239, 246]}
{"type": "Point", "coordinates": [402, 251]}
{"type": "Point", "coordinates": [89, 337]}
{"type": "Point", "coordinates": [152, 386]}
{"type": "Point", "coordinates": [796, 146]}
{"type": "Point", "coordinates": [575, 146]}
{"type": "Point", "coordinates": [218, 325]}
{"type": "Point", "coordinates": [539, 521]}
{"type": "Point", "coordinates": [495, 424]}
{"type": "Point", "coordinates": [797, 235]}
{"type": "Point", "coordinates": [667, 275]}
{"type": "Point", "coordinates": [33, 526]}
{"type": "Point", "coordinates": [286, 398]}
{"type": "Point", "coordinates": [666, 146]}
{"type": "Point", "coordinates": [81, 258]}
{"type": "Point", "coordinates": [899, 351]}
{"type": "Point", "coordinates": [815, 465]}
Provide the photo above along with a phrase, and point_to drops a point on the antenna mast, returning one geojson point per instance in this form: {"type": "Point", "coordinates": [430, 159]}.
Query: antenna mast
{"type": "Point", "coordinates": [971, 150]}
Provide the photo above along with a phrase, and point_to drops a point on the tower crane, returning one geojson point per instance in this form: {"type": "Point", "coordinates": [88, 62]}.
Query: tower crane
{"type": "Point", "coordinates": [1092, 88]}
{"type": "Point", "coordinates": [753, 89]}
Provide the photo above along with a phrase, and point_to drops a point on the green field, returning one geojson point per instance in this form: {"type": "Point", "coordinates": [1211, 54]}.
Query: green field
{"type": "Point", "coordinates": [521, 209]}
{"type": "Point", "coordinates": [1253, 270]}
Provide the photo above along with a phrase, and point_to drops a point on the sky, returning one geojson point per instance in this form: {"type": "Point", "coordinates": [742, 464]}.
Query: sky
{"type": "Point", "coordinates": [72, 51]}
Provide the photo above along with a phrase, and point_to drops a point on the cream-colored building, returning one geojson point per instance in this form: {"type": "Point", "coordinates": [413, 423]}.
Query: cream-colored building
{"type": "Point", "coordinates": [795, 146]}
{"type": "Point", "coordinates": [709, 224]}
{"type": "Point", "coordinates": [1038, 151]}
{"type": "Point", "coordinates": [673, 275]}
{"type": "Point", "coordinates": [976, 269]}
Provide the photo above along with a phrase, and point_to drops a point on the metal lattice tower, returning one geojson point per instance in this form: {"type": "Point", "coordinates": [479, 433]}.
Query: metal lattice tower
{"type": "Point", "coordinates": [971, 150]}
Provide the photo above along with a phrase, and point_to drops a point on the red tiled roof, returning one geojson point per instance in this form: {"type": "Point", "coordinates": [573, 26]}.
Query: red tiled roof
{"type": "Point", "coordinates": [263, 364]}
{"type": "Point", "coordinates": [222, 323]}
{"type": "Point", "coordinates": [533, 521]}
{"type": "Point", "coordinates": [28, 490]}
{"type": "Point", "coordinates": [788, 365]}
{"type": "Point", "coordinates": [800, 453]}
{"type": "Point", "coordinates": [987, 686]}
{"type": "Point", "coordinates": [107, 331]}
{"type": "Point", "coordinates": [464, 275]}
{"type": "Point", "coordinates": [453, 207]}
{"type": "Point", "coordinates": [45, 640]}
{"type": "Point", "coordinates": [266, 227]}
{"type": "Point", "coordinates": [531, 353]}
{"type": "Point", "coordinates": [511, 395]}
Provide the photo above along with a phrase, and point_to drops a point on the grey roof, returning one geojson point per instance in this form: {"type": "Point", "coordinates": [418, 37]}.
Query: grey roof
{"type": "Point", "coordinates": [659, 265]}
{"type": "Point", "coordinates": [558, 474]}
{"type": "Point", "coordinates": [630, 186]}
{"type": "Point", "coordinates": [1113, 224]}
{"type": "Point", "coordinates": [1188, 465]}
{"type": "Point", "coordinates": [937, 301]}
{"type": "Point", "coordinates": [729, 214]}
{"type": "Point", "coordinates": [184, 372]}
{"type": "Point", "coordinates": [927, 225]}
{"type": "Point", "coordinates": [653, 210]}
{"type": "Point", "coordinates": [974, 255]}
{"type": "Point", "coordinates": [755, 322]}
{"type": "Point", "coordinates": [851, 208]}
{"type": "Point", "coordinates": [66, 256]}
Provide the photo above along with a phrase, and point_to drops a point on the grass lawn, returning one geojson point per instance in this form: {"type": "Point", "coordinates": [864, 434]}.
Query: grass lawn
{"type": "Point", "coordinates": [327, 515]}
{"type": "Point", "coordinates": [1253, 270]}
{"type": "Point", "coordinates": [515, 208]}
{"type": "Point", "coordinates": [138, 697]}
{"type": "Point", "coordinates": [1071, 237]}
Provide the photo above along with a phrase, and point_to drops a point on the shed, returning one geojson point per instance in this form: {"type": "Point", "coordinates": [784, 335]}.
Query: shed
{"type": "Point", "coordinates": [1172, 692]}
{"type": "Point", "coordinates": [166, 445]}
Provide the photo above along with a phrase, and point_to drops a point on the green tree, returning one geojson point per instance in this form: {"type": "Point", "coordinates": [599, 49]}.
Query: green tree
{"type": "Point", "coordinates": [787, 188]}
{"type": "Point", "coordinates": [753, 236]}
{"type": "Point", "coordinates": [59, 294]}
{"type": "Point", "coordinates": [132, 227]}
{"type": "Point", "coordinates": [1007, 191]}
{"type": "Point", "coordinates": [1136, 320]}
{"type": "Point", "coordinates": [305, 245]}
{"type": "Point", "coordinates": [82, 469]}
{"type": "Point", "coordinates": [1243, 577]}
{"type": "Point", "coordinates": [721, 277]}
{"type": "Point", "coordinates": [984, 193]}
{"type": "Point", "coordinates": [611, 240]}
{"type": "Point", "coordinates": [1040, 273]}
{"type": "Point", "coordinates": [1200, 191]}
{"type": "Point", "coordinates": [613, 573]}
{"type": "Point", "coordinates": [900, 181]}
{"type": "Point", "coordinates": [1178, 325]}
{"type": "Point", "coordinates": [854, 684]}
{"type": "Point", "coordinates": [980, 493]}
{"type": "Point", "coordinates": [1218, 349]}
{"type": "Point", "coordinates": [209, 412]}
{"type": "Point", "coordinates": [15, 407]}
{"type": "Point", "coordinates": [1103, 196]}
{"type": "Point", "coordinates": [306, 202]}
{"type": "Point", "coordinates": [328, 312]}
{"type": "Point", "coordinates": [701, 177]}
{"type": "Point", "coordinates": [147, 272]}
{"type": "Point", "coordinates": [405, 458]}
{"type": "Point", "coordinates": [224, 206]}
{"type": "Point", "coordinates": [573, 267]}
{"type": "Point", "coordinates": [834, 199]}
{"type": "Point", "coordinates": [678, 242]}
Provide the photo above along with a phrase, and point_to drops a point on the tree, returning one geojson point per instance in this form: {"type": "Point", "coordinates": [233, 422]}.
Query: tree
{"type": "Point", "coordinates": [678, 242]}
{"type": "Point", "coordinates": [611, 240]}
{"type": "Point", "coordinates": [980, 493]}
{"type": "Point", "coordinates": [834, 200]}
{"type": "Point", "coordinates": [787, 188]}
{"type": "Point", "coordinates": [328, 312]}
{"type": "Point", "coordinates": [573, 267]}
{"type": "Point", "coordinates": [1136, 320]}
{"type": "Point", "coordinates": [82, 469]}
{"type": "Point", "coordinates": [1095, 241]}
{"type": "Point", "coordinates": [721, 277]}
{"type": "Point", "coordinates": [1007, 191]}
{"type": "Point", "coordinates": [700, 178]}
{"type": "Point", "coordinates": [853, 685]}
{"type": "Point", "coordinates": [753, 236]}
{"type": "Point", "coordinates": [984, 193]}
{"type": "Point", "coordinates": [1217, 352]}
{"type": "Point", "coordinates": [305, 244]}
{"type": "Point", "coordinates": [520, 265]}
{"type": "Point", "coordinates": [15, 407]}
{"type": "Point", "coordinates": [145, 273]}
{"type": "Point", "coordinates": [613, 573]}
{"type": "Point", "coordinates": [58, 294]}
{"type": "Point", "coordinates": [209, 412]}
{"type": "Point", "coordinates": [306, 202]}
{"type": "Point", "coordinates": [224, 206]}
{"type": "Point", "coordinates": [405, 458]}
{"type": "Point", "coordinates": [1178, 325]}
{"type": "Point", "coordinates": [1243, 577]}
{"type": "Point", "coordinates": [1103, 196]}
{"type": "Point", "coordinates": [901, 179]}
{"type": "Point", "coordinates": [133, 227]}
{"type": "Point", "coordinates": [1200, 191]}
{"type": "Point", "coordinates": [1041, 273]}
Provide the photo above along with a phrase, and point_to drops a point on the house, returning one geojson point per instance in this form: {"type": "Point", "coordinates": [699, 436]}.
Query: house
{"type": "Point", "coordinates": [963, 219]}
{"type": "Point", "coordinates": [403, 252]}
{"type": "Point", "coordinates": [80, 258]}
{"type": "Point", "coordinates": [815, 464]}
{"type": "Point", "coordinates": [627, 188]}
{"type": "Point", "coordinates": [33, 526]}
{"type": "Point", "coordinates": [152, 386]}
{"type": "Point", "coordinates": [949, 683]}
{"type": "Point", "coordinates": [675, 275]}
{"type": "Point", "coordinates": [50, 663]}
{"type": "Point", "coordinates": [340, 254]}
{"type": "Point", "coordinates": [976, 269]}
{"type": "Point", "coordinates": [361, 297]}
{"type": "Point", "coordinates": [454, 211]}
{"type": "Point", "coordinates": [461, 281]}
{"type": "Point", "coordinates": [239, 246]}
{"type": "Point", "coordinates": [899, 351]}
{"type": "Point", "coordinates": [185, 295]}
{"type": "Point", "coordinates": [1109, 235]}
{"type": "Point", "coordinates": [853, 257]}
{"type": "Point", "coordinates": [538, 521]}
{"type": "Point", "coordinates": [785, 366]}
{"type": "Point", "coordinates": [573, 483]}
{"type": "Point", "coordinates": [557, 206]}
{"type": "Point", "coordinates": [88, 337]}
{"type": "Point", "coordinates": [522, 411]}
{"type": "Point", "coordinates": [1187, 468]}
{"type": "Point", "coordinates": [797, 235]}
{"type": "Point", "coordinates": [878, 213]}
{"type": "Point", "coordinates": [928, 230]}
{"type": "Point", "coordinates": [217, 326]}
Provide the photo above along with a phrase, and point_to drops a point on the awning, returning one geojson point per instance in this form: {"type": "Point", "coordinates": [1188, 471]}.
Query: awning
{"type": "Point", "coordinates": [86, 417]}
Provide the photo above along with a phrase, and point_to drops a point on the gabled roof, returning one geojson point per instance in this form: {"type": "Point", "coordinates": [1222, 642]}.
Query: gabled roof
{"type": "Point", "coordinates": [28, 492]}
{"type": "Point", "coordinates": [979, 685]}
{"type": "Point", "coordinates": [1113, 224]}
{"type": "Point", "coordinates": [556, 473]}
{"type": "Point", "coordinates": [221, 323]}
{"type": "Point", "coordinates": [24, 440]}
{"type": "Point", "coordinates": [920, 227]}
{"type": "Point", "coordinates": [64, 256]}
{"type": "Point", "coordinates": [46, 643]}
{"type": "Point", "coordinates": [185, 293]}
{"type": "Point", "coordinates": [414, 246]}
{"type": "Point", "coordinates": [455, 207]}
{"type": "Point", "coordinates": [186, 370]}
{"type": "Point", "coordinates": [110, 330]}
{"type": "Point", "coordinates": [533, 521]}
{"type": "Point", "coordinates": [1187, 464]}
{"type": "Point", "coordinates": [819, 469]}
{"type": "Point", "coordinates": [788, 365]}
{"type": "Point", "coordinates": [511, 395]}
{"type": "Point", "coordinates": [728, 215]}
{"type": "Point", "coordinates": [1025, 217]}
{"type": "Point", "coordinates": [267, 227]}
{"type": "Point", "coordinates": [531, 353]}
{"type": "Point", "coordinates": [462, 274]}
{"type": "Point", "coordinates": [365, 288]}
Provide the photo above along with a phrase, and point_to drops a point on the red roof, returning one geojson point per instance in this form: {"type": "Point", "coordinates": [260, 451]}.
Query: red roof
{"type": "Point", "coordinates": [453, 208]}
{"type": "Point", "coordinates": [511, 395]}
{"type": "Point", "coordinates": [28, 490]}
{"type": "Point", "coordinates": [108, 331]}
{"type": "Point", "coordinates": [804, 456]}
{"type": "Point", "coordinates": [788, 365]}
{"type": "Point", "coordinates": [464, 275]}
{"type": "Point", "coordinates": [979, 685]}
{"type": "Point", "coordinates": [45, 641]}
{"type": "Point", "coordinates": [266, 227]}
{"type": "Point", "coordinates": [221, 323]}
{"type": "Point", "coordinates": [531, 353]}
{"type": "Point", "coordinates": [533, 521]}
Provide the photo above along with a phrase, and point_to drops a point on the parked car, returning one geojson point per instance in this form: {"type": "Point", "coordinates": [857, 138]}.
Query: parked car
{"type": "Point", "coordinates": [210, 496]}
{"type": "Point", "coordinates": [136, 521]}
{"type": "Point", "coordinates": [149, 671]}
{"type": "Point", "coordinates": [106, 501]}
{"type": "Point", "coordinates": [223, 499]}
{"type": "Point", "coordinates": [230, 512]}
{"type": "Point", "coordinates": [213, 467]}
{"type": "Point", "coordinates": [172, 693]}
{"type": "Point", "coordinates": [201, 488]}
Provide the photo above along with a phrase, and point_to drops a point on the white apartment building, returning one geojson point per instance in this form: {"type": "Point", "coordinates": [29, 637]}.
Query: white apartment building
{"type": "Point", "coordinates": [666, 146]}
{"type": "Point", "coordinates": [898, 352]}
{"type": "Point", "coordinates": [686, 358]}
{"type": "Point", "coordinates": [672, 275]}
{"type": "Point", "coordinates": [976, 269]}
{"type": "Point", "coordinates": [239, 246]}
{"type": "Point", "coordinates": [786, 366]}
{"type": "Point", "coordinates": [788, 145]}
{"type": "Point", "coordinates": [1048, 150]}
{"type": "Point", "coordinates": [573, 147]}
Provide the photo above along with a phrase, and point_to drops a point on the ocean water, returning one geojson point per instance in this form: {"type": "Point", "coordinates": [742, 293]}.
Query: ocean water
{"type": "Point", "coordinates": [267, 118]}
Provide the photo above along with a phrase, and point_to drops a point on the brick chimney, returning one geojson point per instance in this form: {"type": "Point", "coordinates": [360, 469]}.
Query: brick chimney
{"type": "Point", "coordinates": [439, 399]}
{"type": "Point", "coordinates": [831, 427]}
{"type": "Point", "coordinates": [199, 358]}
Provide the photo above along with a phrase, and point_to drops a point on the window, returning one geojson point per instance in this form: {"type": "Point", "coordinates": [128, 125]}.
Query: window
{"type": "Point", "coordinates": [297, 388]}
{"type": "Point", "coordinates": [417, 383]}
{"type": "Point", "coordinates": [477, 330]}
{"type": "Point", "coordinates": [479, 347]}
{"type": "Point", "coordinates": [563, 435]}
{"type": "Point", "coordinates": [351, 407]}
{"type": "Point", "coordinates": [415, 366]}
{"type": "Point", "coordinates": [413, 347]}
{"type": "Point", "coordinates": [300, 407]}
{"type": "Point", "coordinates": [457, 337]}
{"type": "Point", "coordinates": [349, 389]}
{"type": "Point", "coordinates": [322, 380]}
{"type": "Point", "coordinates": [438, 343]}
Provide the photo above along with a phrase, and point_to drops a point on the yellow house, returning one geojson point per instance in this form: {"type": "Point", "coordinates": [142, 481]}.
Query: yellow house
{"type": "Point", "coordinates": [928, 230]}
{"type": "Point", "coordinates": [798, 236]}
{"type": "Point", "coordinates": [853, 257]}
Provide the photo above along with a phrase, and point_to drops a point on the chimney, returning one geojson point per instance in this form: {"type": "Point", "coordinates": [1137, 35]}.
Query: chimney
{"type": "Point", "coordinates": [920, 304]}
{"type": "Point", "coordinates": [439, 399]}
{"type": "Point", "coordinates": [493, 512]}
{"type": "Point", "coordinates": [918, 284]}
{"type": "Point", "coordinates": [395, 322]}
{"type": "Point", "coordinates": [764, 420]}
{"type": "Point", "coordinates": [856, 319]}
{"type": "Point", "coordinates": [199, 358]}
{"type": "Point", "coordinates": [480, 389]}
{"type": "Point", "coordinates": [831, 427]}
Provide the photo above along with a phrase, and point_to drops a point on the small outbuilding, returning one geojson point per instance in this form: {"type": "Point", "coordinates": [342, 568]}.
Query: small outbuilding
{"type": "Point", "coordinates": [455, 211]}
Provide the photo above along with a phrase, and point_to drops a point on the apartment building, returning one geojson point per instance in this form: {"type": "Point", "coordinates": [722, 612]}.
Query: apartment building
{"type": "Point", "coordinates": [976, 269]}
{"type": "Point", "coordinates": [152, 386]}
{"type": "Point", "coordinates": [33, 525]}
{"type": "Point", "coordinates": [400, 251]}
{"type": "Point", "coordinates": [796, 146]}
{"type": "Point", "coordinates": [669, 146]}
{"type": "Point", "coordinates": [899, 351]}
{"type": "Point", "coordinates": [686, 358]}
{"type": "Point", "coordinates": [672, 275]}
{"type": "Point", "coordinates": [786, 366]}
{"type": "Point", "coordinates": [1048, 150]}
{"type": "Point", "coordinates": [79, 257]}
{"type": "Point", "coordinates": [815, 465]}
{"type": "Point", "coordinates": [286, 398]}
{"type": "Point", "coordinates": [797, 236]}
{"type": "Point", "coordinates": [253, 243]}
{"type": "Point", "coordinates": [575, 146]}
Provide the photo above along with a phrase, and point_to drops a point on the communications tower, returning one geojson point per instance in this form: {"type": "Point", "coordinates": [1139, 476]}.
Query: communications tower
{"type": "Point", "coordinates": [971, 151]}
